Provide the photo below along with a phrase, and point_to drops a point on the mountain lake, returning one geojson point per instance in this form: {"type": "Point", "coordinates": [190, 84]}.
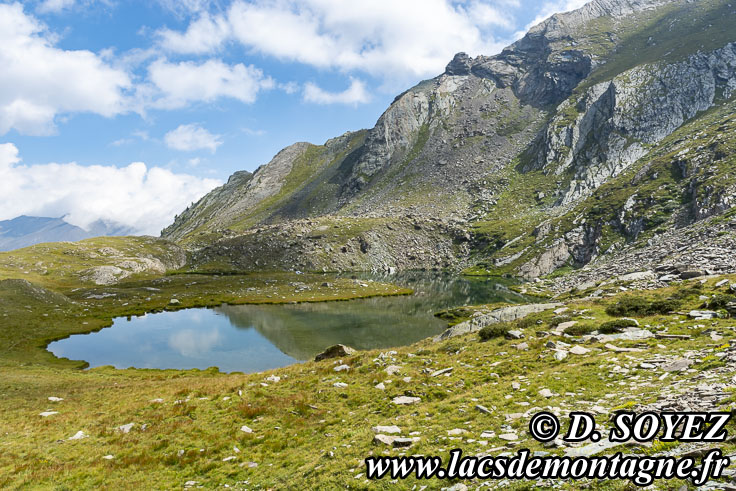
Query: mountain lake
{"type": "Point", "coordinates": [252, 338]}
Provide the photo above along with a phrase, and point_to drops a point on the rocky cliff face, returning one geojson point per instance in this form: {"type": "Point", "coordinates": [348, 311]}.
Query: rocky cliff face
{"type": "Point", "coordinates": [602, 131]}
{"type": "Point", "coordinates": [533, 159]}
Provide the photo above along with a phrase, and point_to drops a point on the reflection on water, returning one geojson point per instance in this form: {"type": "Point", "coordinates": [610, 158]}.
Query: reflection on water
{"type": "Point", "coordinates": [191, 343]}
{"type": "Point", "coordinates": [251, 338]}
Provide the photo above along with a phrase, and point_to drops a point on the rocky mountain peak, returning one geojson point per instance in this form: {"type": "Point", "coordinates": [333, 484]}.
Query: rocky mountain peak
{"type": "Point", "coordinates": [460, 65]}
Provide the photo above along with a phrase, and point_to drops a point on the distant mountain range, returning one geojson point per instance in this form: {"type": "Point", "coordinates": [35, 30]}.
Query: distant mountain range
{"type": "Point", "coordinates": [24, 231]}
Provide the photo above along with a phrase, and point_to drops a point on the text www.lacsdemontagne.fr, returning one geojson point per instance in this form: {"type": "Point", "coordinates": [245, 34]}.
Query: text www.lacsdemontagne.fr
{"type": "Point", "coordinates": [639, 469]}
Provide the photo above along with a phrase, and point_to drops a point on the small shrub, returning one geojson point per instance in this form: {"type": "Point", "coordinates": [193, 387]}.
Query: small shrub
{"type": "Point", "coordinates": [628, 306]}
{"type": "Point", "coordinates": [579, 329]}
{"type": "Point", "coordinates": [640, 307]}
{"type": "Point", "coordinates": [664, 306]}
{"type": "Point", "coordinates": [710, 362]}
{"type": "Point", "coordinates": [719, 302]}
{"type": "Point", "coordinates": [685, 293]}
{"type": "Point", "coordinates": [494, 331]}
{"type": "Point", "coordinates": [526, 322]}
{"type": "Point", "coordinates": [612, 327]}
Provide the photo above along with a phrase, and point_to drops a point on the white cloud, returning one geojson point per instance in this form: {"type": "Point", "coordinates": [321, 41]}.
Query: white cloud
{"type": "Point", "coordinates": [484, 14]}
{"type": "Point", "coordinates": [396, 41]}
{"type": "Point", "coordinates": [39, 81]}
{"type": "Point", "coordinates": [204, 35]}
{"type": "Point", "coordinates": [191, 137]}
{"type": "Point", "coordinates": [55, 6]}
{"type": "Point", "coordinates": [145, 199]}
{"type": "Point", "coordinates": [180, 84]}
{"type": "Point", "coordinates": [289, 87]}
{"type": "Point", "coordinates": [355, 94]}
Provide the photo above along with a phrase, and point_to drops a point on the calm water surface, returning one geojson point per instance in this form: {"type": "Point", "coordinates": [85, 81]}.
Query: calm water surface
{"type": "Point", "coordinates": [250, 338]}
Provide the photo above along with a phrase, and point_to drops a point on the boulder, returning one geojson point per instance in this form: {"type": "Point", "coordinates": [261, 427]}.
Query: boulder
{"type": "Point", "coordinates": [336, 351]}
{"type": "Point", "coordinates": [701, 315]}
{"type": "Point", "coordinates": [677, 365]}
{"type": "Point", "coordinates": [637, 276]}
{"type": "Point", "coordinates": [560, 355]}
{"type": "Point", "coordinates": [579, 350]}
{"type": "Point", "coordinates": [731, 308]}
{"type": "Point", "coordinates": [405, 400]}
{"type": "Point", "coordinates": [443, 371]}
{"type": "Point", "coordinates": [688, 274]}
{"type": "Point", "coordinates": [504, 314]}
{"type": "Point", "coordinates": [386, 429]}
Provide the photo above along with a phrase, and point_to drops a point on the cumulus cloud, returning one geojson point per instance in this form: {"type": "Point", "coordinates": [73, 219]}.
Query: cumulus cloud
{"type": "Point", "coordinates": [355, 94]}
{"type": "Point", "coordinates": [143, 198]}
{"type": "Point", "coordinates": [204, 35]}
{"type": "Point", "coordinates": [39, 81]}
{"type": "Point", "coordinates": [384, 38]}
{"type": "Point", "coordinates": [179, 84]}
{"type": "Point", "coordinates": [191, 137]}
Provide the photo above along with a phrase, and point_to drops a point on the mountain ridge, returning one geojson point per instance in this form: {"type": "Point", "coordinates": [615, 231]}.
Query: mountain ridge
{"type": "Point", "coordinates": [491, 157]}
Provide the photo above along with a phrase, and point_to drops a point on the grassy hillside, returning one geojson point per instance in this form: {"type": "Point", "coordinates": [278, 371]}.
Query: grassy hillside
{"type": "Point", "coordinates": [305, 429]}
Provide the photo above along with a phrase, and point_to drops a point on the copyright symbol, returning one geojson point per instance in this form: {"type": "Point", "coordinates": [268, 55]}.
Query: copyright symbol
{"type": "Point", "coordinates": [544, 426]}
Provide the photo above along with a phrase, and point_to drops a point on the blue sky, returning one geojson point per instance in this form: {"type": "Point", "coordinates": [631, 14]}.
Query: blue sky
{"type": "Point", "coordinates": [130, 110]}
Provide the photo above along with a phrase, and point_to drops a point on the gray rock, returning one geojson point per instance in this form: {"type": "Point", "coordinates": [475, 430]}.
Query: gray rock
{"type": "Point", "coordinates": [460, 65]}
{"type": "Point", "coordinates": [437, 373]}
{"type": "Point", "coordinates": [566, 325]}
{"type": "Point", "coordinates": [546, 393]}
{"type": "Point", "coordinates": [579, 350]}
{"type": "Point", "coordinates": [404, 400]}
{"type": "Point", "coordinates": [482, 409]}
{"type": "Point", "coordinates": [505, 314]}
{"type": "Point", "coordinates": [677, 365]}
{"type": "Point", "coordinates": [386, 429]}
{"type": "Point", "coordinates": [336, 351]}
{"type": "Point", "coordinates": [686, 275]}
{"type": "Point", "coordinates": [126, 428]}
{"type": "Point", "coordinates": [703, 314]}
{"type": "Point", "coordinates": [514, 334]}
{"type": "Point", "coordinates": [637, 276]}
